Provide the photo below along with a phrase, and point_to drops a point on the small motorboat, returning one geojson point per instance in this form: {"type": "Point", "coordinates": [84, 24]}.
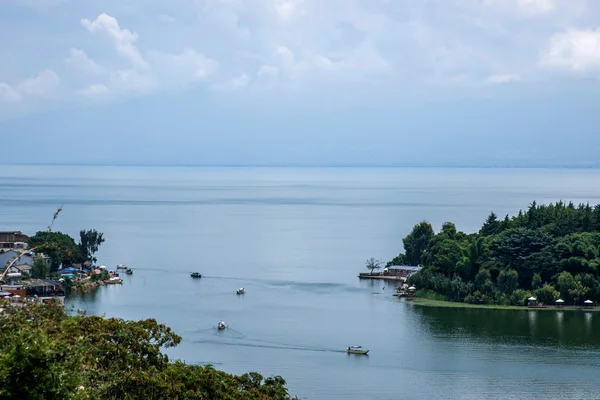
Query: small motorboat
{"type": "Point", "coordinates": [240, 291]}
{"type": "Point", "coordinates": [196, 275]}
{"type": "Point", "coordinates": [222, 325]}
{"type": "Point", "coordinates": [129, 271]}
{"type": "Point", "coordinates": [121, 266]}
{"type": "Point", "coordinates": [114, 280]}
{"type": "Point", "coordinates": [356, 350]}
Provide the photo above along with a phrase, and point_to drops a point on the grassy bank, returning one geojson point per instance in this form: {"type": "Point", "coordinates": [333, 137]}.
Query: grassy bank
{"type": "Point", "coordinates": [449, 304]}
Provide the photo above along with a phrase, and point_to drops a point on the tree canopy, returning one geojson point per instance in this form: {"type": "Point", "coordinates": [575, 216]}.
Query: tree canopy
{"type": "Point", "coordinates": [548, 251]}
{"type": "Point", "coordinates": [47, 354]}
{"type": "Point", "coordinates": [89, 242]}
{"type": "Point", "coordinates": [60, 247]}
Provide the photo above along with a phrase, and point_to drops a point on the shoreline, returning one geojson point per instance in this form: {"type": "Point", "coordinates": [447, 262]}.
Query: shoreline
{"type": "Point", "coordinates": [449, 304]}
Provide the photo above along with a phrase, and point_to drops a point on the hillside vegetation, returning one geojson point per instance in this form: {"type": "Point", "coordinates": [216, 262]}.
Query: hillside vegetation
{"type": "Point", "coordinates": [47, 354]}
{"type": "Point", "coordinates": [547, 251]}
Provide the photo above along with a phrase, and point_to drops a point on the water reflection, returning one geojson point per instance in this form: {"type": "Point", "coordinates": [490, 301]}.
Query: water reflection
{"type": "Point", "coordinates": [572, 328]}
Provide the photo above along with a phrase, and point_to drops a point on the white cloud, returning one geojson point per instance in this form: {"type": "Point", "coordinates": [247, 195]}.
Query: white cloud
{"type": "Point", "coordinates": [503, 78]}
{"type": "Point", "coordinates": [527, 8]}
{"type": "Point", "coordinates": [533, 7]}
{"type": "Point", "coordinates": [286, 9]}
{"type": "Point", "coordinates": [167, 19]}
{"type": "Point", "coordinates": [185, 67]}
{"type": "Point", "coordinates": [267, 71]}
{"type": "Point", "coordinates": [574, 50]}
{"type": "Point", "coordinates": [234, 83]}
{"type": "Point", "coordinates": [95, 90]}
{"type": "Point", "coordinates": [123, 39]}
{"type": "Point", "coordinates": [132, 81]}
{"type": "Point", "coordinates": [43, 85]}
{"type": "Point", "coordinates": [80, 61]}
{"type": "Point", "coordinates": [8, 94]}
{"type": "Point", "coordinates": [146, 73]}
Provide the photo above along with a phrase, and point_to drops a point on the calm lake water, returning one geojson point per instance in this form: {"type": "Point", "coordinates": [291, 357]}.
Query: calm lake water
{"type": "Point", "coordinates": [296, 240]}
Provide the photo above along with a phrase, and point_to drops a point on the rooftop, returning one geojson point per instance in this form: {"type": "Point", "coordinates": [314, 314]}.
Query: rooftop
{"type": "Point", "coordinates": [405, 267]}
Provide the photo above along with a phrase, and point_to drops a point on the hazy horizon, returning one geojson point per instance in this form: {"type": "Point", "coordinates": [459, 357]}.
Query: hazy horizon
{"type": "Point", "coordinates": [301, 82]}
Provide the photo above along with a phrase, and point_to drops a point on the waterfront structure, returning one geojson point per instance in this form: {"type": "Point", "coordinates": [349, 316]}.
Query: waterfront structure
{"type": "Point", "coordinates": [402, 271]}
{"type": "Point", "coordinates": [13, 240]}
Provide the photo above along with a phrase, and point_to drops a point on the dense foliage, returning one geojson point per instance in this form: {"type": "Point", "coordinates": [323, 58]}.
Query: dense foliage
{"type": "Point", "coordinates": [62, 248]}
{"type": "Point", "coordinates": [548, 251]}
{"type": "Point", "coordinates": [47, 354]}
{"type": "Point", "coordinates": [89, 242]}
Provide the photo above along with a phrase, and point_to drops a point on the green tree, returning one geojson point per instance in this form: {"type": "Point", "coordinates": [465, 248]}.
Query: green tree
{"type": "Point", "coordinates": [46, 354]}
{"type": "Point", "coordinates": [491, 226]}
{"type": "Point", "coordinates": [508, 281]}
{"type": "Point", "coordinates": [536, 282]}
{"type": "Point", "coordinates": [566, 284]}
{"type": "Point", "coordinates": [40, 268]}
{"type": "Point", "coordinates": [547, 294]}
{"type": "Point", "coordinates": [417, 241]}
{"type": "Point", "coordinates": [372, 264]}
{"type": "Point", "coordinates": [89, 243]}
{"type": "Point", "coordinates": [60, 247]}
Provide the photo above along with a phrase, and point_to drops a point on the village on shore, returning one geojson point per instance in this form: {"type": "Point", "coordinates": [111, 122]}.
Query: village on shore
{"type": "Point", "coordinates": [19, 283]}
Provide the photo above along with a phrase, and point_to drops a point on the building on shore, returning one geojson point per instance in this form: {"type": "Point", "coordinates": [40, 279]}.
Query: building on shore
{"type": "Point", "coordinates": [13, 240]}
{"type": "Point", "coordinates": [401, 271]}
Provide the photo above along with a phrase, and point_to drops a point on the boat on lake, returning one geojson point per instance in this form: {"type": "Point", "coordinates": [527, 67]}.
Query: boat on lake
{"type": "Point", "coordinates": [114, 280]}
{"type": "Point", "coordinates": [240, 291]}
{"type": "Point", "coordinates": [129, 271]}
{"type": "Point", "coordinates": [196, 275]}
{"type": "Point", "coordinates": [121, 266]}
{"type": "Point", "coordinates": [356, 350]}
{"type": "Point", "coordinates": [222, 325]}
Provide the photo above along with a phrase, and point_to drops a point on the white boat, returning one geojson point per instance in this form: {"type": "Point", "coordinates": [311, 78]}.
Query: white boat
{"type": "Point", "coordinates": [240, 291]}
{"type": "Point", "coordinates": [356, 350]}
{"type": "Point", "coordinates": [114, 280]}
{"type": "Point", "coordinates": [222, 325]}
{"type": "Point", "coordinates": [121, 266]}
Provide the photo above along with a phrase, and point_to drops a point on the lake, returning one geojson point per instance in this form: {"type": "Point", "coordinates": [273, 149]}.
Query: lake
{"type": "Point", "coordinates": [296, 239]}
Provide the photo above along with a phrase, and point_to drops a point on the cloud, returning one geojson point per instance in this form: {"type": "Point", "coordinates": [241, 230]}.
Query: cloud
{"type": "Point", "coordinates": [574, 50]}
{"type": "Point", "coordinates": [95, 90]}
{"type": "Point", "coordinates": [123, 39]}
{"type": "Point", "coordinates": [534, 7]}
{"type": "Point", "coordinates": [286, 9]}
{"type": "Point", "coordinates": [234, 83]}
{"type": "Point", "coordinates": [146, 73]}
{"type": "Point", "coordinates": [80, 61]}
{"type": "Point", "coordinates": [500, 79]}
{"type": "Point", "coordinates": [41, 86]}
{"type": "Point", "coordinates": [8, 94]}
{"type": "Point", "coordinates": [167, 19]}
{"type": "Point", "coordinates": [527, 8]}
{"type": "Point", "coordinates": [182, 68]}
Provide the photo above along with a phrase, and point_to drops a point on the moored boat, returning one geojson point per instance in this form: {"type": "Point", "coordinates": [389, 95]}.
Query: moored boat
{"type": "Point", "coordinates": [240, 291]}
{"type": "Point", "coordinates": [222, 325]}
{"type": "Point", "coordinates": [129, 271]}
{"type": "Point", "coordinates": [114, 280]}
{"type": "Point", "coordinates": [121, 266]}
{"type": "Point", "coordinates": [356, 350]}
{"type": "Point", "coordinates": [196, 275]}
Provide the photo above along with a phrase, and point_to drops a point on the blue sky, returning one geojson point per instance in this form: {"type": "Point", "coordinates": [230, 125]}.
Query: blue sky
{"type": "Point", "coordinates": [301, 82]}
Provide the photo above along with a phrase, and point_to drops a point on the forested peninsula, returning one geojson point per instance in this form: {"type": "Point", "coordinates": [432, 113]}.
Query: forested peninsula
{"type": "Point", "coordinates": [547, 251]}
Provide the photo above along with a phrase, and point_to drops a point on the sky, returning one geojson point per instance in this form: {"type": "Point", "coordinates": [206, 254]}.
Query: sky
{"type": "Point", "coordinates": [300, 82]}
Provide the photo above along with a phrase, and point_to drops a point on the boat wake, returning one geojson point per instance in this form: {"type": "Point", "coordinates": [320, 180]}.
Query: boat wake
{"type": "Point", "coordinates": [266, 345]}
